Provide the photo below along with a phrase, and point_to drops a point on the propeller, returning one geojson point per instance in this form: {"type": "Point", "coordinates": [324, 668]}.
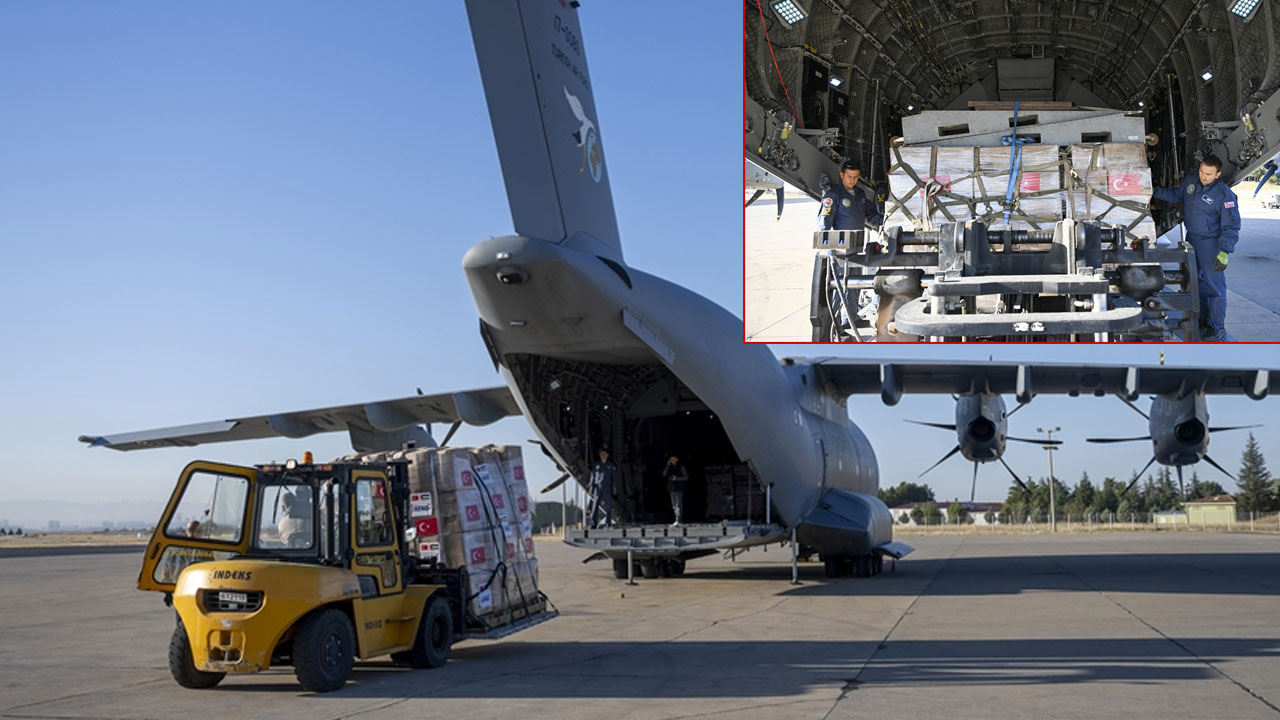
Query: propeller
{"type": "Point", "coordinates": [556, 484]}
{"type": "Point", "coordinates": [1117, 440]}
{"type": "Point", "coordinates": [1036, 441]}
{"type": "Point", "coordinates": [449, 435]}
{"type": "Point", "coordinates": [954, 450]}
{"type": "Point", "coordinates": [1138, 477]}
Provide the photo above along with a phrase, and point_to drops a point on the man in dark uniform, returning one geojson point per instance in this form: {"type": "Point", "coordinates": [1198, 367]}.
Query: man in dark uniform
{"type": "Point", "coordinates": [1212, 219]}
{"type": "Point", "coordinates": [603, 475]}
{"type": "Point", "coordinates": [847, 208]}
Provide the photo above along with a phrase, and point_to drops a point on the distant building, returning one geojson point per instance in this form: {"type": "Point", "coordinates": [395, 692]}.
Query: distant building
{"type": "Point", "coordinates": [54, 526]}
{"type": "Point", "coordinates": [1216, 510]}
{"type": "Point", "coordinates": [1169, 517]}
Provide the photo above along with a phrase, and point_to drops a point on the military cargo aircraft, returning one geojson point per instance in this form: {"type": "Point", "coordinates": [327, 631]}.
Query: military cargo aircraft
{"type": "Point", "coordinates": [595, 352]}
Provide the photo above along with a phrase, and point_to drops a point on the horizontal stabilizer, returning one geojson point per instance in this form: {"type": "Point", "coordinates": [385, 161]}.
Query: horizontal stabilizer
{"type": "Point", "coordinates": [366, 422]}
{"type": "Point", "coordinates": [895, 549]}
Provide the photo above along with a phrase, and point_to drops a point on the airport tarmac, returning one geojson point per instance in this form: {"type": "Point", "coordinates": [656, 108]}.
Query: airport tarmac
{"type": "Point", "coordinates": [779, 269]}
{"type": "Point", "coordinates": [1117, 625]}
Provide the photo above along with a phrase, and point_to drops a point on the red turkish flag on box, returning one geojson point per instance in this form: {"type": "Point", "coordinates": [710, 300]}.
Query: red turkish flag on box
{"type": "Point", "coordinates": [1124, 184]}
{"type": "Point", "coordinates": [427, 526]}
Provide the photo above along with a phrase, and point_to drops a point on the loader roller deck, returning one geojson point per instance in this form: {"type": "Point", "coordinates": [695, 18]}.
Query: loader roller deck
{"type": "Point", "coordinates": [666, 539]}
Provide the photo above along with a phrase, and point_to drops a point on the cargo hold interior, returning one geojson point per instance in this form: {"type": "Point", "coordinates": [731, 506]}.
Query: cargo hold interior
{"type": "Point", "coordinates": [642, 413]}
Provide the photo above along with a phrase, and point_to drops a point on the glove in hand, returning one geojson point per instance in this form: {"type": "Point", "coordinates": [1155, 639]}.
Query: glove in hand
{"type": "Point", "coordinates": [1220, 263]}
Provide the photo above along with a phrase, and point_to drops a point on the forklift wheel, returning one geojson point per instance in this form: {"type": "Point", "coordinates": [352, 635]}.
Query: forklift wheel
{"type": "Point", "coordinates": [183, 666]}
{"type": "Point", "coordinates": [324, 650]}
{"type": "Point", "coordinates": [620, 568]}
{"type": "Point", "coordinates": [435, 635]}
{"type": "Point", "coordinates": [649, 568]}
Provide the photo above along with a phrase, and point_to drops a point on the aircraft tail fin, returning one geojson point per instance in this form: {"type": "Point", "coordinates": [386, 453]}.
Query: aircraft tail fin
{"type": "Point", "coordinates": [542, 107]}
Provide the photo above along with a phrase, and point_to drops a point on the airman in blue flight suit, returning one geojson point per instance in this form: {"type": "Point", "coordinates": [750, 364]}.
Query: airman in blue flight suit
{"type": "Point", "coordinates": [1212, 219]}
{"type": "Point", "coordinates": [843, 207]}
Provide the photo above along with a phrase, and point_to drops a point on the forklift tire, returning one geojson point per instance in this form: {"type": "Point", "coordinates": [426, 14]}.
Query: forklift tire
{"type": "Point", "coordinates": [620, 568]}
{"type": "Point", "coordinates": [649, 568]}
{"type": "Point", "coordinates": [675, 567]}
{"type": "Point", "coordinates": [324, 650]}
{"type": "Point", "coordinates": [435, 635]}
{"type": "Point", "coordinates": [183, 667]}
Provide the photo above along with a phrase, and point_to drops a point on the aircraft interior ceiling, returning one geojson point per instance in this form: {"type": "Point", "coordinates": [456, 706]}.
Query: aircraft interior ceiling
{"type": "Point", "coordinates": [941, 54]}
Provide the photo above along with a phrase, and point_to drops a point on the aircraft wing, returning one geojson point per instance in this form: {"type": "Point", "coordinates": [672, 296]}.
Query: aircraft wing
{"type": "Point", "coordinates": [892, 378]}
{"type": "Point", "coordinates": [474, 407]}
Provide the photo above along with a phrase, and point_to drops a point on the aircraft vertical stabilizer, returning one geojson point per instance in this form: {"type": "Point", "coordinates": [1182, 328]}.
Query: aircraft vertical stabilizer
{"type": "Point", "coordinates": [543, 110]}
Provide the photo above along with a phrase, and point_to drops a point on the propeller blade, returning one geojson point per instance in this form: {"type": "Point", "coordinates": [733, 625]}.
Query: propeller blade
{"type": "Point", "coordinates": [1220, 468]}
{"type": "Point", "coordinates": [1233, 427]}
{"type": "Point", "coordinates": [954, 450]}
{"type": "Point", "coordinates": [1134, 407]}
{"type": "Point", "coordinates": [781, 200]}
{"type": "Point", "coordinates": [1182, 490]}
{"type": "Point", "coordinates": [754, 197]}
{"type": "Point", "coordinates": [1011, 412]}
{"type": "Point", "coordinates": [1015, 476]}
{"type": "Point", "coordinates": [449, 435]}
{"type": "Point", "coordinates": [1036, 441]}
{"type": "Point", "coordinates": [973, 489]}
{"type": "Point", "coordinates": [942, 426]}
{"type": "Point", "coordinates": [556, 484]}
{"type": "Point", "coordinates": [1138, 477]}
{"type": "Point", "coordinates": [1270, 165]}
{"type": "Point", "coordinates": [1116, 440]}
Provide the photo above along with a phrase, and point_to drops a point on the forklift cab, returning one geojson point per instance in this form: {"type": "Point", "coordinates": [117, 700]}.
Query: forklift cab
{"type": "Point", "coordinates": [340, 515]}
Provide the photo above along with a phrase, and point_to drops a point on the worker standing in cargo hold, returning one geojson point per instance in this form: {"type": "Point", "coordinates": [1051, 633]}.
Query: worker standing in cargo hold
{"type": "Point", "coordinates": [847, 208]}
{"type": "Point", "coordinates": [1212, 219]}
{"type": "Point", "coordinates": [603, 474]}
{"type": "Point", "coordinates": [677, 477]}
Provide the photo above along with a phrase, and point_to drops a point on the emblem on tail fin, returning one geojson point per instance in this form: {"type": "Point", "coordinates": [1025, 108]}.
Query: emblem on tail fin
{"type": "Point", "coordinates": [586, 138]}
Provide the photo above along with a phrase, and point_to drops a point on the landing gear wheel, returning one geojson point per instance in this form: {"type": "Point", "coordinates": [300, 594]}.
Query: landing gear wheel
{"type": "Point", "coordinates": [324, 650]}
{"type": "Point", "coordinates": [183, 667]}
{"type": "Point", "coordinates": [435, 635]}
{"type": "Point", "coordinates": [863, 566]}
{"type": "Point", "coordinates": [837, 566]}
{"type": "Point", "coordinates": [649, 568]}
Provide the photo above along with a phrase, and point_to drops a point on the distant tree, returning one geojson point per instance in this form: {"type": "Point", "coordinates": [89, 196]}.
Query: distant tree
{"type": "Point", "coordinates": [905, 492]}
{"type": "Point", "coordinates": [1254, 480]}
{"type": "Point", "coordinates": [1084, 493]}
{"type": "Point", "coordinates": [928, 512]}
{"type": "Point", "coordinates": [989, 518]}
{"type": "Point", "coordinates": [1004, 517]}
{"type": "Point", "coordinates": [1164, 494]}
{"type": "Point", "coordinates": [1125, 509]}
{"type": "Point", "coordinates": [1108, 498]}
{"type": "Point", "coordinates": [1205, 489]}
{"type": "Point", "coordinates": [904, 518]}
{"type": "Point", "coordinates": [956, 514]}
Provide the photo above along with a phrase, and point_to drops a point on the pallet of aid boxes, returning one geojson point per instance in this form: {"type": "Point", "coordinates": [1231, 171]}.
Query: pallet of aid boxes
{"type": "Point", "coordinates": [480, 502]}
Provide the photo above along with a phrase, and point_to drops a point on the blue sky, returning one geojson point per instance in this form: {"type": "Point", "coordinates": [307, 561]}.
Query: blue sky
{"type": "Point", "coordinates": [212, 210]}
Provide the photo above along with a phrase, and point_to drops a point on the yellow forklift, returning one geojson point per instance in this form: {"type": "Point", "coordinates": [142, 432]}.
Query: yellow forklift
{"type": "Point", "coordinates": [310, 565]}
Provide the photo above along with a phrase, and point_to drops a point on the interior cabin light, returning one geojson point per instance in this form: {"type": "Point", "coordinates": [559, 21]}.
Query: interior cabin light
{"type": "Point", "coordinates": [1207, 75]}
{"type": "Point", "coordinates": [788, 11]}
{"type": "Point", "coordinates": [835, 81]}
{"type": "Point", "coordinates": [1244, 8]}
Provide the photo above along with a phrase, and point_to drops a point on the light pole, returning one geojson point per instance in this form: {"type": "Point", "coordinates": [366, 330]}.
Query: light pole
{"type": "Point", "coordinates": [1053, 508]}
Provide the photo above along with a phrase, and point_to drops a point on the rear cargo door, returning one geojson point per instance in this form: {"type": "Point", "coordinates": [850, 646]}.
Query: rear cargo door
{"type": "Point", "coordinates": [206, 519]}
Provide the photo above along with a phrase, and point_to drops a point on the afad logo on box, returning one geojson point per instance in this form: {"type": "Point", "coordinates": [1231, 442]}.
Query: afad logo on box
{"type": "Point", "coordinates": [522, 502]}
{"type": "Point", "coordinates": [468, 480]}
{"type": "Point", "coordinates": [528, 546]}
{"type": "Point", "coordinates": [518, 471]}
{"type": "Point", "coordinates": [477, 555]}
{"type": "Point", "coordinates": [498, 502]}
{"type": "Point", "coordinates": [473, 513]}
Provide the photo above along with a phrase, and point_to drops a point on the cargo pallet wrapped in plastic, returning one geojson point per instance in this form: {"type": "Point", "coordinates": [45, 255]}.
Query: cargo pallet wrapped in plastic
{"type": "Point", "coordinates": [1105, 182]}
